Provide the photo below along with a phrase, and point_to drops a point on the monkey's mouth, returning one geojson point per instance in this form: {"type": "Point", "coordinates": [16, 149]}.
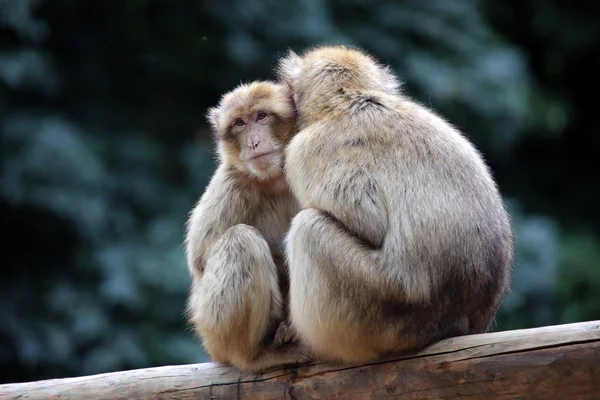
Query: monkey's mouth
{"type": "Point", "coordinates": [265, 160]}
{"type": "Point", "coordinates": [263, 155]}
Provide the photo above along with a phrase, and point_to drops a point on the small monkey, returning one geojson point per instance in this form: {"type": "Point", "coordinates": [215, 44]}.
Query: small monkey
{"type": "Point", "coordinates": [235, 232]}
{"type": "Point", "coordinates": [403, 239]}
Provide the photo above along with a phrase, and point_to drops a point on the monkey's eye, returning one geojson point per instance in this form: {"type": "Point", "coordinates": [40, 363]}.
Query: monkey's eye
{"type": "Point", "coordinates": [261, 115]}
{"type": "Point", "coordinates": [239, 122]}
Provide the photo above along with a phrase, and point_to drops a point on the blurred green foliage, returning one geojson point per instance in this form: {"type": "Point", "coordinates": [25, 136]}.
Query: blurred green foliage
{"type": "Point", "coordinates": [105, 149]}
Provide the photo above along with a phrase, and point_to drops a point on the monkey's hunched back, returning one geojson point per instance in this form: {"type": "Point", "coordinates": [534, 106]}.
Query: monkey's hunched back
{"type": "Point", "coordinates": [425, 244]}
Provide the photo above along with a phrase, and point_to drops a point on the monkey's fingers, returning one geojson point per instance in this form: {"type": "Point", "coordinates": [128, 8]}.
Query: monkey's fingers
{"type": "Point", "coordinates": [285, 333]}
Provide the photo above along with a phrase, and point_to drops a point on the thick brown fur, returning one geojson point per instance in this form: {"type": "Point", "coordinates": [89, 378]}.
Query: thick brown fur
{"type": "Point", "coordinates": [235, 232]}
{"type": "Point", "coordinates": [403, 239]}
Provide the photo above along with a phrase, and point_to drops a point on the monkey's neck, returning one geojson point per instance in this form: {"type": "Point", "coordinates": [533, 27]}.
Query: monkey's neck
{"type": "Point", "coordinates": [274, 186]}
{"type": "Point", "coordinates": [317, 108]}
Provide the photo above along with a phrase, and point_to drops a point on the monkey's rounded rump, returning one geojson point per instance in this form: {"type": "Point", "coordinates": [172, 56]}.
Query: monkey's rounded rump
{"type": "Point", "coordinates": [404, 238]}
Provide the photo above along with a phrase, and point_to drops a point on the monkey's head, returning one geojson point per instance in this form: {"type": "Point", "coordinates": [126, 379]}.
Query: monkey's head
{"type": "Point", "coordinates": [251, 124]}
{"type": "Point", "coordinates": [328, 70]}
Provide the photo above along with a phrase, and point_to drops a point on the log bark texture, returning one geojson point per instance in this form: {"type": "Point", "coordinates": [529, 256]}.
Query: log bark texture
{"type": "Point", "coordinates": [553, 362]}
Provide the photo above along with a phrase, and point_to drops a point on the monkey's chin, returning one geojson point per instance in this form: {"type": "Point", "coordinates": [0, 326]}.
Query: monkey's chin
{"type": "Point", "coordinates": [266, 166]}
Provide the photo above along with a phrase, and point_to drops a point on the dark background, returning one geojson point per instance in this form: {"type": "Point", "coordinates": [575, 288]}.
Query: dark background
{"type": "Point", "coordinates": [104, 150]}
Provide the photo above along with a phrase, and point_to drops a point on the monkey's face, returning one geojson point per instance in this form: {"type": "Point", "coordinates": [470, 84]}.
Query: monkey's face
{"type": "Point", "coordinates": [257, 147]}
{"type": "Point", "coordinates": [253, 123]}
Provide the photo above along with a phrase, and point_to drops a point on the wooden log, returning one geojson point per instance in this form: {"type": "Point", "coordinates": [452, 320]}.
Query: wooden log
{"type": "Point", "coordinates": [553, 362]}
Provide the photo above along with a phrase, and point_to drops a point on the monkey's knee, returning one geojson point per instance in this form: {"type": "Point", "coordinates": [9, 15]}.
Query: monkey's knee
{"type": "Point", "coordinates": [241, 241]}
{"type": "Point", "coordinates": [302, 248]}
{"type": "Point", "coordinates": [243, 232]}
{"type": "Point", "coordinates": [307, 218]}
{"type": "Point", "coordinates": [306, 228]}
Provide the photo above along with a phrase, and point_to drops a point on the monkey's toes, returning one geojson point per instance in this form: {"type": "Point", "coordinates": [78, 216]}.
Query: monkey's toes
{"type": "Point", "coordinates": [306, 354]}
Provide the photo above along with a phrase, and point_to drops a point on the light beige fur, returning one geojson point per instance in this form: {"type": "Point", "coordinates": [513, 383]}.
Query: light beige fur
{"type": "Point", "coordinates": [235, 232]}
{"type": "Point", "coordinates": [403, 239]}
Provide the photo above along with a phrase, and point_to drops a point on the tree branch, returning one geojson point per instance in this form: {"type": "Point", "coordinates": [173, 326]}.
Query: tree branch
{"type": "Point", "coordinates": [561, 362]}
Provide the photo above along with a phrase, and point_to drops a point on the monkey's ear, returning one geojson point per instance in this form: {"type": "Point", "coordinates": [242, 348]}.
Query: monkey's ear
{"type": "Point", "coordinates": [391, 84]}
{"type": "Point", "coordinates": [289, 68]}
{"type": "Point", "coordinates": [212, 116]}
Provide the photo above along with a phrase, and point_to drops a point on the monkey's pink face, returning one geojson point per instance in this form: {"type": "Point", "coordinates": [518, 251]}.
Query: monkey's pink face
{"type": "Point", "coordinates": [258, 149]}
{"type": "Point", "coordinates": [252, 123]}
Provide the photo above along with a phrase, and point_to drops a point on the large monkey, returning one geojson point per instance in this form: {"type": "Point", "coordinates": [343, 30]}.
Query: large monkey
{"type": "Point", "coordinates": [235, 232]}
{"type": "Point", "coordinates": [403, 239]}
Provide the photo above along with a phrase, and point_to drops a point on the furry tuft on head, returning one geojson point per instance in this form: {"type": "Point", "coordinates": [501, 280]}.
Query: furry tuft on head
{"type": "Point", "coordinates": [290, 68]}
{"type": "Point", "coordinates": [391, 84]}
{"type": "Point", "coordinates": [212, 117]}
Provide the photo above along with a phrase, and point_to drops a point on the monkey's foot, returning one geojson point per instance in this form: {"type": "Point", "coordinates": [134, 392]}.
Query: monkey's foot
{"type": "Point", "coordinates": [285, 333]}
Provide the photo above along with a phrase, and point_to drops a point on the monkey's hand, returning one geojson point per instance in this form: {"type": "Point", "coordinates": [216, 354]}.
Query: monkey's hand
{"type": "Point", "coordinates": [286, 333]}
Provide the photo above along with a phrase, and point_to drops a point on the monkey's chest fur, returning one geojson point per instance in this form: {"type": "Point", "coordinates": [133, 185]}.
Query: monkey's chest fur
{"type": "Point", "coordinates": [272, 218]}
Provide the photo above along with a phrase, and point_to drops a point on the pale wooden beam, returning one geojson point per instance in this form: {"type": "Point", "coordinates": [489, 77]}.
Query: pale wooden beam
{"type": "Point", "coordinates": [552, 362]}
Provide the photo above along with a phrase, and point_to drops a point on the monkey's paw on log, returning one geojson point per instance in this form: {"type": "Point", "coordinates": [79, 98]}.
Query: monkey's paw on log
{"type": "Point", "coordinates": [553, 362]}
{"type": "Point", "coordinates": [285, 333]}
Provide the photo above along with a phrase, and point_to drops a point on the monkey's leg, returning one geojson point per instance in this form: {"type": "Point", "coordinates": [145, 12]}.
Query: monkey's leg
{"type": "Point", "coordinates": [236, 302]}
{"type": "Point", "coordinates": [337, 290]}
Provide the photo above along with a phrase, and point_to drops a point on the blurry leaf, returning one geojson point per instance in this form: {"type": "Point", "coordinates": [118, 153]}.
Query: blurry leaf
{"type": "Point", "coordinates": [580, 278]}
{"type": "Point", "coordinates": [28, 69]}
{"type": "Point", "coordinates": [18, 15]}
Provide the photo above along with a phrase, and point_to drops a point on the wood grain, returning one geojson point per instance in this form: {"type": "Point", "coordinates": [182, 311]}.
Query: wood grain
{"type": "Point", "coordinates": [554, 362]}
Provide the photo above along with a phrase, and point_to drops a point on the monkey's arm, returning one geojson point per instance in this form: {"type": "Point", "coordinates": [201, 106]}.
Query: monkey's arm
{"type": "Point", "coordinates": [340, 182]}
{"type": "Point", "coordinates": [221, 206]}
{"type": "Point", "coordinates": [356, 203]}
